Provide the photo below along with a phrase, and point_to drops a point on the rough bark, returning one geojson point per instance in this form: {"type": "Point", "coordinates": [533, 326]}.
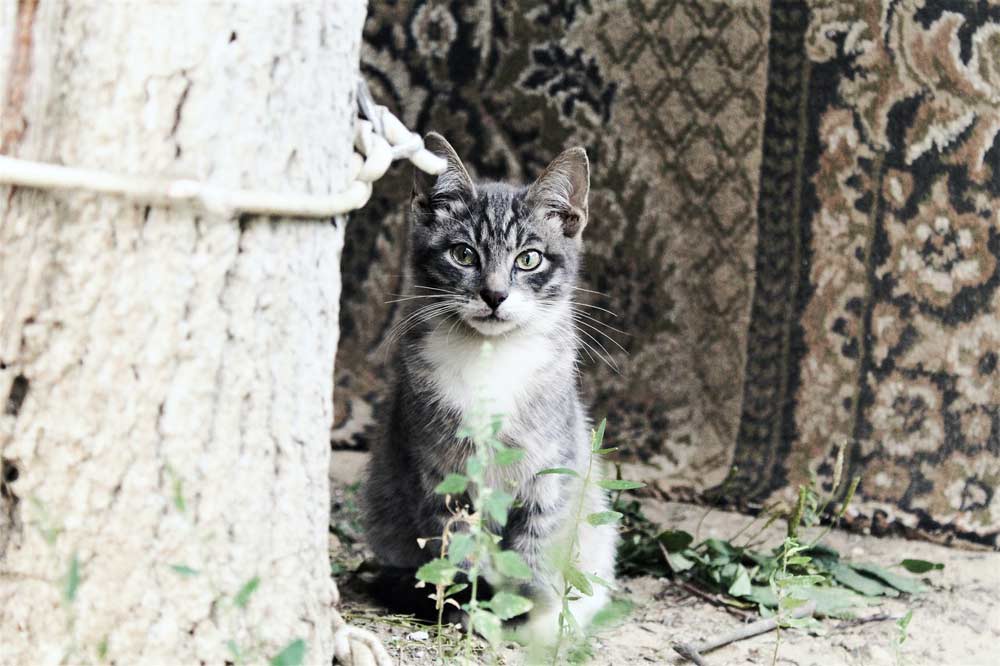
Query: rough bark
{"type": "Point", "coordinates": [166, 376]}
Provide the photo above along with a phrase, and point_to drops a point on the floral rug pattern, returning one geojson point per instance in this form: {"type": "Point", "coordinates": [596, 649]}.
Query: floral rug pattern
{"type": "Point", "coordinates": [794, 214]}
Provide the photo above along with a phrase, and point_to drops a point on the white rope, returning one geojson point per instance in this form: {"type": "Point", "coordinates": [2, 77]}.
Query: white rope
{"type": "Point", "coordinates": [379, 141]}
{"type": "Point", "coordinates": [353, 646]}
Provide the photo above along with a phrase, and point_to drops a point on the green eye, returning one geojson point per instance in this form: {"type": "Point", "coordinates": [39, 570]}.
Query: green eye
{"type": "Point", "coordinates": [528, 260]}
{"type": "Point", "coordinates": [464, 255]}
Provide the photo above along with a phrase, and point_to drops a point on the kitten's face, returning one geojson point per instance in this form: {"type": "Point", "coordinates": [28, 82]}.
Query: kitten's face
{"type": "Point", "coordinates": [497, 257]}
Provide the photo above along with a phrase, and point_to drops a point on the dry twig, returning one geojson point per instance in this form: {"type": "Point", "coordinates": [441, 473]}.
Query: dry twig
{"type": "Point", "coordinates": [693, 652]}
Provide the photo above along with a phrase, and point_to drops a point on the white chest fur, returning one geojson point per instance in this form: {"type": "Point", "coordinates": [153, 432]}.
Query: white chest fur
{"type": "Point", "coordinates": [498, 379]}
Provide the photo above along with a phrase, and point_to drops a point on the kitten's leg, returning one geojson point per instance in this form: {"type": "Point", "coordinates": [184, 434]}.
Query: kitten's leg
{"type": "Point", "coordinates": [532, 530]}
{"type": "Point", "coordinates": [595, 554]}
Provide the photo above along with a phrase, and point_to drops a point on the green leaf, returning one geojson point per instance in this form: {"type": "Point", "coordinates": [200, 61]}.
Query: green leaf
{"type": "Point", "coordinates": [453, 484]}
{"type": "Point", "coordinates": [72, 580]}
{"type": "Point", "coordinates": [594, 578]}
{"type": "Point", "coordinates": [507, 605]}
{"type": "Point", "coordinates": [678, 562]}
{"type": "Point", "coordinates": [578, 579]}
{"type": "Point", "coordinates": [791, 603]}
{"type": "Point", "coordinates": [437, 572]}
{"type": "Point", "coordinates": [603, 518]}
{"type": "Point", "coordinates": [508, 456]}
{"type": "Point", "coordinates": [764, 596]}
{"type": "Point", "coordinates": [604, 452]}
{"type": "Point", "coordinates": [242, 597]}
{"type": "Point", "coordinates": [184, 570]}
{"type": "Point", "coordinates": [234, 649]}
{"type": "Point", "coordinates": [474, 466]}
{"type": "Point", "coordinates": [496, 504]}
{"type": "Point", "coordinates": [901, 626]}
{"type": "Point", "coordinates": [800, 622]}
{"type": "Point", "coordinates": [822, 553]}
{"type": "Point", "coordinates": [720, 547]}
{"type": "Point", "coordinates": [921, 566]}
{"type": "Point", "coordinates": [292, 655]}
{"type": "Point", "coordinates": [598, 437]}
{"type": "Point", "coordinates": [558, 470]}
{"type": "Point", "coordinates": [901, 583]}
{"type": "Point", "coordinates": [571, 626]}
{"type": "Point", "coordinates": [488, 625]}
{"type": "Point", "coordinates": [833, 601]}
{"type": "Point", "coordinates": [455, 589]}
{"type": "Point", "coordinates": [613, 614]}
{"type": "Point", "coordinates": [675, 540]}
{"type": "Point", "coordinates": [866, 585]}
{"type": "Point", "coordinates": [619, 484]}
{"type": "Point", "coordinates": [459, 547]}
{"type": "Point", "coordinates": [510, 564]}
{"type": "Point", "coordinates": [741, 586]}
{"type": "Point", "coordinates": [808, 580]}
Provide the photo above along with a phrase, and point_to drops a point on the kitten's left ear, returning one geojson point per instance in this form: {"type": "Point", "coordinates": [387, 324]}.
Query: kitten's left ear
{"type": "Point", "coordinates": [453, 181]}
{"type": "Point", "coordinates": [561, 191]}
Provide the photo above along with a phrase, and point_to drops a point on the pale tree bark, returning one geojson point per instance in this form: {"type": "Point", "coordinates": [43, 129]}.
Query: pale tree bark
{"type": "Point", "coordinates": [166, 375]}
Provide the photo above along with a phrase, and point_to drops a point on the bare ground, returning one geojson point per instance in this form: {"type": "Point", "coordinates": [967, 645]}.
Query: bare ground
{"type": "Point", "coordinates": [956, 623]}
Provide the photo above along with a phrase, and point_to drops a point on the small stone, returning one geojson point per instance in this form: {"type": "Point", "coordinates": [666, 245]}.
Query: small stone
{"type": "Point", "coordinates": [418, 636]}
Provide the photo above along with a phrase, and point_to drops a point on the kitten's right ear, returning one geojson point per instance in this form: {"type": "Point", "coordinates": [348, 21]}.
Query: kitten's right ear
{"type": "Point", "coordinates": [562, 189]}
{"type": "Point", "coordinates": [454, 181]}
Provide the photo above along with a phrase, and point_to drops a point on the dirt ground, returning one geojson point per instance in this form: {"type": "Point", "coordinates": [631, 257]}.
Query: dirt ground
{"type": "Point", "coordinates": [956, 623]}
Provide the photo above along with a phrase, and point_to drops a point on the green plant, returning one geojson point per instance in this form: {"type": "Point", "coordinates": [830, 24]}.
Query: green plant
{"type": "Point", "coordinates": [576, 582]}
{"type": "Point", "coordinates": [902, 632]}
{"type": "Point", "coordinates": [470, 541]}
{"type": "Point", "coordinates": [776, 581]}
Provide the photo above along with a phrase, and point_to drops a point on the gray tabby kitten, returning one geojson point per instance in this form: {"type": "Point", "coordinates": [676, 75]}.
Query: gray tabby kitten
{"type": "Point", "coordinates": [496, 262]}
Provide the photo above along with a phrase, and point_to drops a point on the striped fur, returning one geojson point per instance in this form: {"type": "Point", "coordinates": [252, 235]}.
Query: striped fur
{"type": "Point", "coordinates": [530, 377]}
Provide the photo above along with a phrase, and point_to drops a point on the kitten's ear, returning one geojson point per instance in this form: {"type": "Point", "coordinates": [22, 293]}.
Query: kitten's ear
{"type": "Point", "coordinates": [453, 181]}
{"type": "Point", "coordinates": [561, 191]}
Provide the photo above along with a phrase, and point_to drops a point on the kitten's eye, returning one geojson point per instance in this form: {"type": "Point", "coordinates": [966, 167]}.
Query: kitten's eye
{"type": "Point", "coordinates": [528, 260]}
{"type": "Point", "coordinates": [463, 254]}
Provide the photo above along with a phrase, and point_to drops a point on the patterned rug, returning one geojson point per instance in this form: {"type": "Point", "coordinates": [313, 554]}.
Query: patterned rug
{"type": "Point", "coordinates": [794, 215]}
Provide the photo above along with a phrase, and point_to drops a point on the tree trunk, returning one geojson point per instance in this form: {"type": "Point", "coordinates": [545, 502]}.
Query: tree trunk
{"type": "Point", "coordinates": [166, 375]}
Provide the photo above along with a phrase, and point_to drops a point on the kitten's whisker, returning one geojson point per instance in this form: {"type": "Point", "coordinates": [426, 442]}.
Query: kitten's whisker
{"type": "Point", "coordinates": [423, 313]}
{"type": "Point", "coordinates": [570, 333]}
{"type": "Point", "coordinates": [586, 348]}
{"type": "Point", "coordinates": [426, 314]}
{"type": "Point", "coordinates": [458, 320]}
{"type": "Point", "coordinates": [415, 297]}
{"type": "Point", "coordinates": [420, 311]}
{"type": "Point", "coordinates": [600, 332]}
{"type": "Point", "coordinates": [595, 307]}
{"type": "Point", "coordinates": [608, 359]}
{"type": "Point", "coordinates": [444, 320]}
{"type": "Point", "coordinates": [447, 291]}
{"type": "Point", "coordinates": [584, 315]}
{"type": "Point", "coordinates": [590, 291]}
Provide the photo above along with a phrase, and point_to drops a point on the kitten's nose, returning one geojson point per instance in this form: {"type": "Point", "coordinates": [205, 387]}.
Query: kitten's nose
{"type": "Point", "coordinates": [493, 298]}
